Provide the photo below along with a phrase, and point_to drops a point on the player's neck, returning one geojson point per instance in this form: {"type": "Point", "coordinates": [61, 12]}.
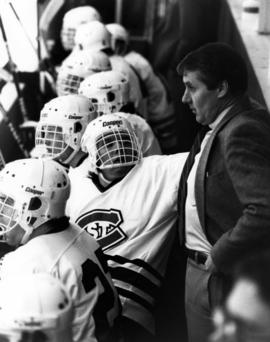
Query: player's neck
{"type": "Point", "coordinates": [113, 175]}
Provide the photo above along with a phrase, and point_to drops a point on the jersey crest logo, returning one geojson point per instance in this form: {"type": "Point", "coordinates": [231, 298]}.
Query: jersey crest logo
{"type": "Point", "coordinates": [104, 226]}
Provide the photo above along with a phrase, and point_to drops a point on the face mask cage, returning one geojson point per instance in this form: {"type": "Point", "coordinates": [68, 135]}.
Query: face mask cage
{"type": "Point", "coordinates": [101, 108]}
{"type": "Point", "coordinates": [67, 38]}
{"type": "Point", "coordinates": [68, 84]}
{"type": "Point", "coordinates": [117, 148]}
{"type": "Point", "coordinates": [51, 140]}
{"type": "Point", "coordinates": [8, 214]}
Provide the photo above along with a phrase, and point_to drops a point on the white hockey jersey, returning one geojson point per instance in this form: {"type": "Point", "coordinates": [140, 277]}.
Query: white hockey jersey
{"type": "Point", "coordinates": [119, 64]}
{"type": "Point", "coordinates": [134, 222]}
{"type": "Point", "coordinates": [157, 102]}
{"type": "Point", "coordinates": [159, 110]}
{"type": "Point", "coordinates": [76, 259]}
{"type": "Point", "coordinates": [146, 137]}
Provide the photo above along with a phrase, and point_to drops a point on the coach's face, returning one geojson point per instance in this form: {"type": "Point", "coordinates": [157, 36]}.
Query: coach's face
{"type": "Point", "coordinates": [204, 103]}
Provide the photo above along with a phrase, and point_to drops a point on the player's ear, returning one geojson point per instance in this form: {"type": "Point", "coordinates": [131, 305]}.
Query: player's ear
{"type": "Point", "coordinates": [223, 89]}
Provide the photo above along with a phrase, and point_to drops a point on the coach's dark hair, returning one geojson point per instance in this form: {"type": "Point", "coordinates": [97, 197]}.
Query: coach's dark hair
{"type": "Point", "coordinates": [256, 268]}
{"type": "Point", "coordinates": [217, 62]}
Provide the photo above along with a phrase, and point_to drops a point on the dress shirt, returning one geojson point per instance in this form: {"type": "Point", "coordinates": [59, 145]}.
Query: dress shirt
{"type": "Point", "coordinates": [195, 236]}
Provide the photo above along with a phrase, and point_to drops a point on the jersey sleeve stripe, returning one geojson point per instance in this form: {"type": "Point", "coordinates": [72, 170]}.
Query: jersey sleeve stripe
{"type": "Point", "coordinates": [138, 262]}
{"type": "Point", "coordinates": [131, 295]}
{"type": "Point", "coordinates": [135, 279]}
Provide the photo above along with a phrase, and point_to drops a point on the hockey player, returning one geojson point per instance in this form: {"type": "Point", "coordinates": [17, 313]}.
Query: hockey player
{"type": "Point", "coordinates": [77, 66]}
{"type": "Point", "coordinates": [35, 308]}
{"type": "Point", "coordinates": [64, 119]}
{"type": "Point", "coordinates": [94, 35]}
{"type": "Point", "coordinates": [62, 123]}
{"type": "Point", "coordinates": [129, 205]}
{"type": "Point", "coordinates": [33, 195]}
{"type": "Point", "coordinates": [57, 25]}
{"type": "Point", "coordinates": [72, 20]}
{"type": "Point", "coordinates": [109, 93]}
{"type": "Point", "coordinates": [159, 109]}
{"type": "Point", "coordinates": [120, 39]}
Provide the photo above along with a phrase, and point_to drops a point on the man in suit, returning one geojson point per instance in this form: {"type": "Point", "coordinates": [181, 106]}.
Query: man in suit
{"type": "Point", "coordinates": [224, 198]}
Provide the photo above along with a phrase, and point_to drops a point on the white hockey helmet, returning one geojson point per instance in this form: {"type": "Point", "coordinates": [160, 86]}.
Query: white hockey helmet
{"type": "Point", "coordinates": [92, 35]}
{"type": "Point", "coordinates": [111, 142]}
{"type": "Point", "coordinates": [74, 18]}
{"type": "Point", "coordinates": [119, 38]}
{"type": "Point", "coordinates": [108, 91]}
{"type": "Point", "coordinates": [41, 310]}
{"type": "Point", "coordinates": [63, 121]}
{"type": "Point", "coordinates": [77, 66]}
{"type": "Point", "coordinates": [32, 192]}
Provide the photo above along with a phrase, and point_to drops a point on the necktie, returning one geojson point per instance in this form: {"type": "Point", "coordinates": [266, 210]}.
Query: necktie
{"type": "Point", "coordinates": [182, 192]}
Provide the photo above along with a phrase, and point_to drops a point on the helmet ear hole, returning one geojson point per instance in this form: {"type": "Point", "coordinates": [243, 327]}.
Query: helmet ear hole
{"type": "Point", "coordinates": [77, 127]}
{"type": "Point", "coordinates": [110, 96]}
{"type": "Point", "coordinates": [35, 203]}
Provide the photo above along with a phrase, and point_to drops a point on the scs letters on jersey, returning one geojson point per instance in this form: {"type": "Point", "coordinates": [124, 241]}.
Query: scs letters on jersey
{"type": "Point", "coordinates": [104, 226]}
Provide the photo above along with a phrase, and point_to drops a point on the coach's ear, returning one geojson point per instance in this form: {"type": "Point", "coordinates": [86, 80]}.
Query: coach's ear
{"type": "Point", "coordinates": [223, 89]}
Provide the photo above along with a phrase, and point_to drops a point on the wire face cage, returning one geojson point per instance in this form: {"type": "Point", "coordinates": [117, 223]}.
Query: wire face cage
{"type": "Point", "coordinates": [51, 138]}
{"type": "Point", "coordinates": [117, 148]}
{"type": "Point", "coordinates": [67, 83]}
{"type": "Point", "coordinates": [8, 213]}
{"type": "Point", "coordinates": [67, 37]}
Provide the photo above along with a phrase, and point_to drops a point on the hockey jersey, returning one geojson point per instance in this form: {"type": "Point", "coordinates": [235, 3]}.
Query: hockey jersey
{"type": "Point", "coordinates": [159, 110]}
{"type": "Point", "coordinates": [119, 64]}
{"type": "Point", "coordinates": [134, 222]}
{"type": "Point", "coordinates": [77, 260]}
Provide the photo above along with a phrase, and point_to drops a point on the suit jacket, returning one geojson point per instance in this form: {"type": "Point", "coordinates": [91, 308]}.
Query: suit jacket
{"type": "Point", "coordinates": [232, 184]}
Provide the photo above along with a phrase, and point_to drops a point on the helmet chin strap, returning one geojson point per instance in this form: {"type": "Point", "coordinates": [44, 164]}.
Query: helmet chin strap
{"type": "Point", "coordinates": [66, 156]}
{"type": "Point", "coordinates": [3, 237]}
{"type": "Point", "coordinates": [28, 231]}
{"type": "Point", "coordinates": [26, 236]}
{"type": "Point", "coordinates": [104, 181]}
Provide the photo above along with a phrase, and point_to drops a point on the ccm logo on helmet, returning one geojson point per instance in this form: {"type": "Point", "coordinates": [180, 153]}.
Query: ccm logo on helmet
{"type": "Point", "coordinates": [109, 123]}
{"type": "Point", "coordinates": [34, 191]}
